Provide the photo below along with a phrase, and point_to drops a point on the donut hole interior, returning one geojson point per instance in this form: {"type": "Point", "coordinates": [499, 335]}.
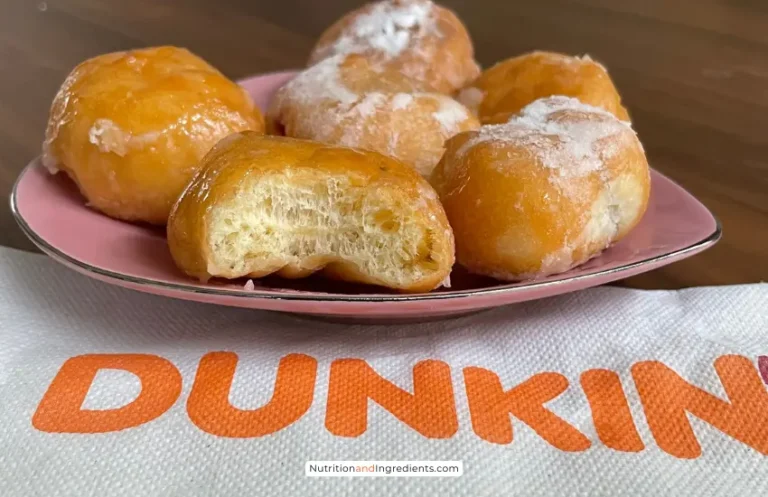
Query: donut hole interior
{"type": "Point", "coordinates": [296, 226]}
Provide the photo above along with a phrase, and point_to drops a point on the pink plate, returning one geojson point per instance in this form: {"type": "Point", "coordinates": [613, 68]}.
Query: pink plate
{"type": "Point", "coordinates": [53, 214]}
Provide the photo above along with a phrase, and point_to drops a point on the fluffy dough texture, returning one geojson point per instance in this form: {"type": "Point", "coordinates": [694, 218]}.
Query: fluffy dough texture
{"type": "Point", "coordinates": [344, 100]}
{"type": "Point", "coordinates": [265, 204]}
{"type": "Point", "coordinates": [508, 86]}
{"type": "Point", "coordinates": [424, 41]}
{"type": "Point", "coordinates": [543, 192]}
{"type": "Point", "coordinates": [131, 127]}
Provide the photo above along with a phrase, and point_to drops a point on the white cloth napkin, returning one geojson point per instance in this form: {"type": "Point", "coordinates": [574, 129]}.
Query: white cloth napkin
{"type": "Point", "coordinates": [48, 446]}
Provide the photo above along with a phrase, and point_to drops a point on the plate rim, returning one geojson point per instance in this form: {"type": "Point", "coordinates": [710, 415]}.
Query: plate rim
{"type": "Point", "coordinates": [509, 288]}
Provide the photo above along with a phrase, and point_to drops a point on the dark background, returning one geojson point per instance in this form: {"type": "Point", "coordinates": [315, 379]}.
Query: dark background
{"type": "Point", "coordinates": [693, 73]}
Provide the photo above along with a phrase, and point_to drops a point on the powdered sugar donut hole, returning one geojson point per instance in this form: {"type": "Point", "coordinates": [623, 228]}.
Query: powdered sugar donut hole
{"type": "Point", "coordinates": [424, 41]}
{"type": "Point", "coordinates": [544, 192]}
{"type": "Point", "coordinates": [343, 101]}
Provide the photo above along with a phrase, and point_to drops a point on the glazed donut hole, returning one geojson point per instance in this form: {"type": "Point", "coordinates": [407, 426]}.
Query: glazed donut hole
{"type": "Point", "coordinates": [131, 127]}
{"type": "Point", "coordinates": [544, 192]}
{"type": "Point", "coordinates": [504, 89]}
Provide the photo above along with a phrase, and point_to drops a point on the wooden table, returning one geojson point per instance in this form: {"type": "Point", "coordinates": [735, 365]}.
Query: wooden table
{"type": "Point", "coordinates": [693, 73]}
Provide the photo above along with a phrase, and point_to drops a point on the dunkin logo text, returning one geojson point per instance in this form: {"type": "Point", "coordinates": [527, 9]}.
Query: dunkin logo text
{"type": "Point", "coordinates": [667, 400]}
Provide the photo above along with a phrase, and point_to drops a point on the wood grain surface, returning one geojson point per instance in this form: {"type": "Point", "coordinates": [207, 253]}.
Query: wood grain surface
{"type": "Point", "coordinates": [693, 73]}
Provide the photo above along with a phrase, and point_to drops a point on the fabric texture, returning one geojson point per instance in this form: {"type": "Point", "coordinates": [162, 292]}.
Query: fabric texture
{"type": "Point", "coordinates": [608, 391]}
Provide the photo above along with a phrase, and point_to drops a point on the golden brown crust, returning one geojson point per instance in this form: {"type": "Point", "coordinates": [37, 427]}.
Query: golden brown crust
{"type": "Point", "coordinates": [510, 85]}
{"type": "Point", "coordinates": [544, 192]}
{"type": "Point", "coordinates": [344, 101]}
{"type": "Point", "coordinates": [130, 127]}
{"type": "Point", "coordinates": [248, 160]}
{"type": "Point", "coordinates": [422, 40]}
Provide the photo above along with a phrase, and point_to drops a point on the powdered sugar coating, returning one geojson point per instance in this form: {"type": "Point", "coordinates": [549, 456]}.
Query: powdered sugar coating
{"type": "Point", "coordinates": [320, 86]}
{"type": "Point", "coordinates": [424, 41]}
{"type": "Point", "coordinates": [566, 136]}
{"type": "Point", "coordinates": [368, 105]}
{"type": "Point", "coordinates": [401, 101]}
{"type": "Point", "coordinates": [389, 27]}
{"type": "Point", "coordinates": [386, 114]}
{"type": "Point", "coordinates": [321, 81]}
{"type": "Point", "coordinates": [450, 115]}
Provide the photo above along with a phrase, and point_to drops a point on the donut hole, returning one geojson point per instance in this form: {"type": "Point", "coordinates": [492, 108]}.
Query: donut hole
{"type": "Point", "coordinates": [544, 192]}
{"type": "Point", "coordinates": [130, 128]}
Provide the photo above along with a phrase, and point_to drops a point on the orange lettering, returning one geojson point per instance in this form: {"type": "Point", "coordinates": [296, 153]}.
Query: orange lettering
{"type": "Point", "coordinates": [430, 410]}
{"type": "Point", "coordinates": [60, 409]}
{"type": "Point", "coordinates": [209, 408]}
{"type": "Point", "coordinates": [490, 407]}
{"type": "Point", "coordinates": [666, 397]}
{"type": "Point", "coordinates": [610, 410]}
